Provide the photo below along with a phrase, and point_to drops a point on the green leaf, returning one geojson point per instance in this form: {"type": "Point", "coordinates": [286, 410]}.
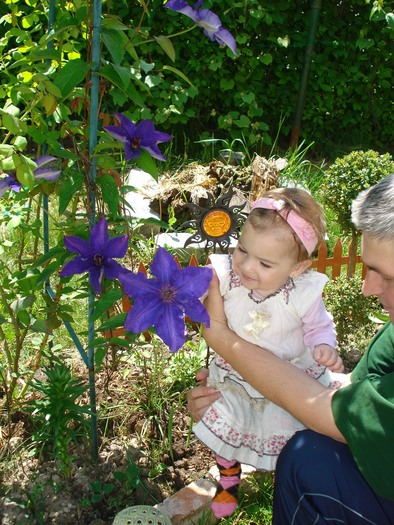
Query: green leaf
{"type": "Point", "coordinates": [70, 186]}
{"type": "Point", "coordinates": [53, 252]}
{"type": "Point", "coordinates": [23, 317]}
{"type": "Point", "coordinates": [99, 354]}
{"type": "Point", "coordinates": [147, 163]}
{"type": "Point", "coordinates": [6, 149]}
{"type": "Point", "coordinates": [113, 322]}
{"type": "Point", "coordinates": [25, 175]}
{"type": "Point", "coordinates": [267, 59]}
{"type": "Point", "coordinates": [72, 74]}
{"type": "Point", "coordinates": [41, 326]}
{"type": "Point", "coordinates": [20, 143]}
{"type": "Point", "coordinates": [22, 303]}
{"type": "Point", "coordinates": [390, 20]}
{"type": "Point", "coordinates": [115, 42]}
{"type": "Point", "coordinates": [110, 192]}
{"type": "Point", "coordinates": [105, 302]}
{"type": "Point", "coordinates": [12, 123]}
{"type": "Point", "coordinates": [180, 74]}
{"type": "Point", "coordinates": [167, 46]}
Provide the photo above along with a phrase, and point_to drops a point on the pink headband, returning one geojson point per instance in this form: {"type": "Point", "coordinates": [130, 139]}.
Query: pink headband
{"type": "Point", "coordinates": [300, 226]}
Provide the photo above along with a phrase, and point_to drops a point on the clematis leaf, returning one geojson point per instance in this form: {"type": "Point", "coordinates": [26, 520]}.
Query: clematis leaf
{"type": "Point", "coordinates": [147, 164]}
{"type": "Point", "coordinates": [25, 175]}
{"type": "Point", "coordinates": [167, 46]}
{"type": "Point", "coordinates": [109, 192]}
{"type": "Point", "coordinates": [105, 302]}
{"type": "Point", "coordinates": [72, 74]}
{"type": "Point", "coordinates": [68, 189]}
{"type": "Point", "coordinates": [180, 74]}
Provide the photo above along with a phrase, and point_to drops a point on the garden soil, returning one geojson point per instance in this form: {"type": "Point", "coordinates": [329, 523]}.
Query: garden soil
{"type": "Point", "coordinates": [36, 492]}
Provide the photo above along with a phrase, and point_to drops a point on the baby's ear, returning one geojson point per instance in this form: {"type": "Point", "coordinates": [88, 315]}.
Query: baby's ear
{"type": "Point", "coordinates": [300, 267]}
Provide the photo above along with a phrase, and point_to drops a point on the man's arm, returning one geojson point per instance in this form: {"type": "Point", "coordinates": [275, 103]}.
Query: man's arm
{"type": "Point", "coordinates": [281, 382]}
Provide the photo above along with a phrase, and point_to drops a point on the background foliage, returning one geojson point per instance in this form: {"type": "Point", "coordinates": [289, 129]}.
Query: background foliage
{"type": "Point", "coordinates": [197, 89]}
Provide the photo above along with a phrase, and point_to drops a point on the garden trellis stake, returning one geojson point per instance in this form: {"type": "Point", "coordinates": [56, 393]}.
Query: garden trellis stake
{"type": "Point", "coordinates": [87, 356]}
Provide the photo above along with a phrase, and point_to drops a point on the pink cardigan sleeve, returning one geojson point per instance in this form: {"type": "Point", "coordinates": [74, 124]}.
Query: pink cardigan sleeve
{"type": "Point", "coordinates": [318, 326]}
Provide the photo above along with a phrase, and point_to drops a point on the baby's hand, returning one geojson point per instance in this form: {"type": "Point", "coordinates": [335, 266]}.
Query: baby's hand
{"type": "Point", "coordinates": [327, 356]}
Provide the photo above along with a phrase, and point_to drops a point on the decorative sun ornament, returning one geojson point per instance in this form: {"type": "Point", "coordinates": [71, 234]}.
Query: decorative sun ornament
{"type": "Point", "coordinates": [215, 223]}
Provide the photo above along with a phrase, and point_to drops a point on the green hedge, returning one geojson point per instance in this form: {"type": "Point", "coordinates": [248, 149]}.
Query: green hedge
{"type": "Point", "coordinates": [249, 97]}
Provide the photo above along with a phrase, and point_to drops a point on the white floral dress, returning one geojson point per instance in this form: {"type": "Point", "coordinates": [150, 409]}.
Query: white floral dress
{"type": "Point", "coordinates": [243, 425]}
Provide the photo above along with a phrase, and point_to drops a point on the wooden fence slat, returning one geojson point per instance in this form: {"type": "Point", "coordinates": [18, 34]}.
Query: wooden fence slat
{"type": "Point", "coordinates": [336, 262]}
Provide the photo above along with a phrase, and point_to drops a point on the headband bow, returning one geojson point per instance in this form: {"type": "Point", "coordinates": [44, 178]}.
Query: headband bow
{"type": "Point", "coordinates": [300, 226]}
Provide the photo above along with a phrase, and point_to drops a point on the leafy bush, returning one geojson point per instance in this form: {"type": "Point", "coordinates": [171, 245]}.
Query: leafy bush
{"type": "Point", "coordinates": [153, 66]}
{"type": "Point", "coordinates": [351, 312]}
{"type": "Point", "coordinates": [349, 175]}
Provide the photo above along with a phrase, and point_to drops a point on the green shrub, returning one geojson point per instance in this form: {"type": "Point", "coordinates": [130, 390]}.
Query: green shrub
{"type": "Point", "coordinates": [352, 313]}
{"type": "Point", "coordinates": [349, 175]}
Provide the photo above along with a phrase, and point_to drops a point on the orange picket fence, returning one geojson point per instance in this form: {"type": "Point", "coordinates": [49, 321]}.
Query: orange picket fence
{"type": "Point", "coordinates": [337, 264]}
{"type": "Point", "coordinates": [333, 266]}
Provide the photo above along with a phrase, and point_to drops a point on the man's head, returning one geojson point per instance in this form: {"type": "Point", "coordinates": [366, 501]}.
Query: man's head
{"type": "Point", "coordinates": [373, 215]}
{"type": "Point", "coordinates": [373, 210]}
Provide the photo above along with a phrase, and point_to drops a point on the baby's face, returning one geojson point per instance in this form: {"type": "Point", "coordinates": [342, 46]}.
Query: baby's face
{"type": "Point", "coordinates": [265, 260]}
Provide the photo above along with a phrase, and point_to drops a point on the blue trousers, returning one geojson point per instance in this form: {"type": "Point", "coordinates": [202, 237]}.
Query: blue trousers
{"type": "Point", "coordinates": [317, 482]}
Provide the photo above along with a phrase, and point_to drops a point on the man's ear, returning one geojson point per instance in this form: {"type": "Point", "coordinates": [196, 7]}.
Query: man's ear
{"type": "Point", "coordinates": [300, 267]}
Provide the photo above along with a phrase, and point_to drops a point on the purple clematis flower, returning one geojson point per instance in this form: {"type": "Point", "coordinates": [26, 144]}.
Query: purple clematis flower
{"type": "Point", "coordinates": [206, 19]}
{"type": "Point", "coordinates": [96, 255]}
{"type": "Point", "coordinates": [136, 136]}
{"type": "Point", "coordinates": [48, 173]}
{"type": "Point", "coordinates": [164, 301]}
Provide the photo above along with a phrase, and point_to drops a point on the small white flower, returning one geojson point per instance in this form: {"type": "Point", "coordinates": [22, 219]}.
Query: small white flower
{"type": "Point", "coordinates": [261, 319]}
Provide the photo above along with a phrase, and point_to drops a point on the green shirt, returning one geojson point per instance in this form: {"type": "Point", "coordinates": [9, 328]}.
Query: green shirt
{"type": "Point", "coordinates": [364, 413]}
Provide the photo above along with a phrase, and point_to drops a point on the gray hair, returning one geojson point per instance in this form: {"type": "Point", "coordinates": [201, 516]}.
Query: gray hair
{"type": "Point", "coordinates": [373, 210]}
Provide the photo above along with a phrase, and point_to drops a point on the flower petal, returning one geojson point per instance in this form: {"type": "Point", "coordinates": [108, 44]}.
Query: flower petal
{"type": "Point", "coordinates": [145, 131]}
{"type": "Point", "coordinates": [76, 265]}
{"type": "Point", "coordinates": [224, 37]}
{"type": "Point", "coordinates": [49, 174]}
{"type": "Point", "coordinates": [143, 313]}
{"type": "Point", "coordinates": [161, 136]}
{"type": "Point", "coordinates": [209, 21]}
{"type": "Point", "coordinates": [75, 244]}
{"type": "Point", "coordinates": [154, 151]}
{"type": "Point", "coordinates": [196, 311]}
{"type": "Point", "coordinates": [117, 132]}
{"type": "Point", "coordinates": [164, 266]}
{"type": "Point", "coordinates": [44, 159]}
{"type": "Point", "coordinates": [95, 277]}
{"type": "Point", "coordinates": [99, 236]}
{"type": "Point", "coordinates": [171, 327]}
{"type": "Point", "coordinates": [193, 281]}
{"type": "Point", "coordinates": [130, 152]}
{"type": "Point", "coordinates": [4, 186]}
{"type": "Point", "coordinates": [182, 7]}
{"type": "Point", "coordinates": [136, 285]}
{"type": "Point", "coordinates": [128, 127]}
{"type": "Point", "coordinates": [112, 269]}
{"type": "Point", "coordinates": [116, 247]}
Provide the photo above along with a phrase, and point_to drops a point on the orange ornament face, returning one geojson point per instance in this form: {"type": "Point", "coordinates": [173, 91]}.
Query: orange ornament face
{"type": "Point", "coordinates": [216, 223]}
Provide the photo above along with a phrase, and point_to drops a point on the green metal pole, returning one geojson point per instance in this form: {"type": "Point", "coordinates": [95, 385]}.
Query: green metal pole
{"type": "Point", "coordinates": [45, 202]}
{"type": "Point", "coordinates": [93, 130]}
{"type": "Point", "coordinates": [315, 13]}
